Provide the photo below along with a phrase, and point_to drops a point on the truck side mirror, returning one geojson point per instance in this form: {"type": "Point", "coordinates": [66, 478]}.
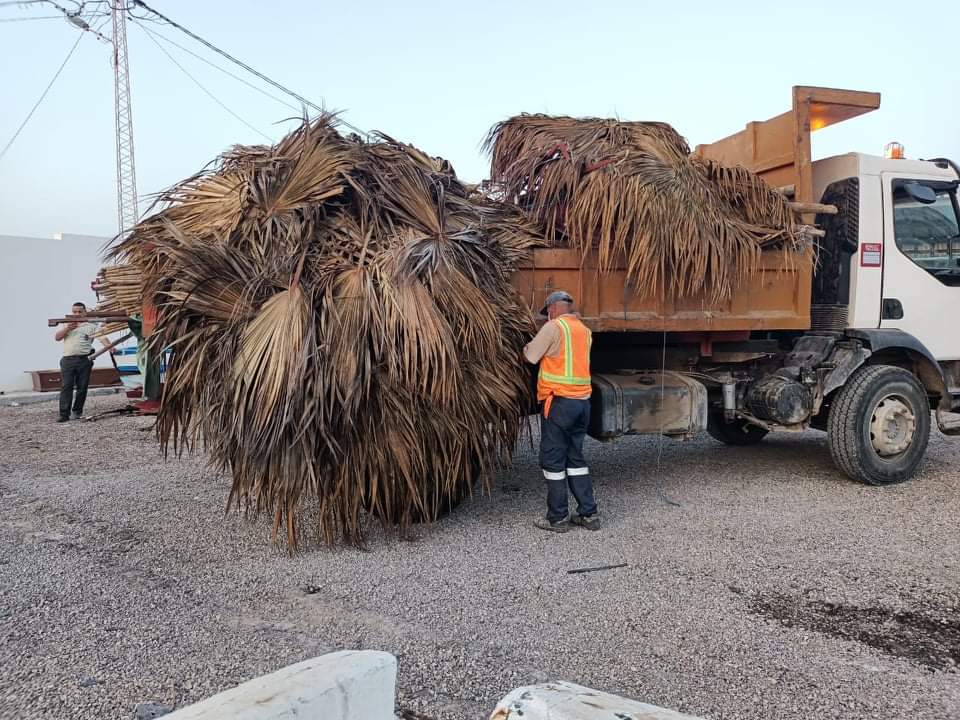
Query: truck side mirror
{"type": "Point", "coordinates": [921, 193]}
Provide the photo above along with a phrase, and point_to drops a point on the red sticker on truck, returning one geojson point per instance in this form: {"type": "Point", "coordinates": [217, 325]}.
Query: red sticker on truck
{"type": "Point", "coordinates": [871, 254]}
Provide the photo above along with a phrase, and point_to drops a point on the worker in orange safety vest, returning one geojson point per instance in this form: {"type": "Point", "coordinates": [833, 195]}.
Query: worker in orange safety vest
{"type": "Point", "coordinates": [562, 347]}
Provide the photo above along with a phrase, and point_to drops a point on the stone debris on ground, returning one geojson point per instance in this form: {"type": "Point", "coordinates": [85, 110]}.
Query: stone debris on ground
{"type": "Point", "coordinates": [151, 710]}
{"type": "Point", "coordinates": [746, 601]}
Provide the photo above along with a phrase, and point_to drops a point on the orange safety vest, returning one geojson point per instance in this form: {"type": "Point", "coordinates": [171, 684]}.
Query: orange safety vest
{"type": "Point", "coordinates": [568, 373]}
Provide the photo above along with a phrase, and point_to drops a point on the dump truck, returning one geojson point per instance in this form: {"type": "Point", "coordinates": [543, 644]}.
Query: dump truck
{"type": "Point", "coordinates": [856, 337]}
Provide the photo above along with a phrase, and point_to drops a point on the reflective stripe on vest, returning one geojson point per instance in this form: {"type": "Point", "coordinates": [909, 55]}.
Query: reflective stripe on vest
{"type": "Point", "coordinates": [568, 374]}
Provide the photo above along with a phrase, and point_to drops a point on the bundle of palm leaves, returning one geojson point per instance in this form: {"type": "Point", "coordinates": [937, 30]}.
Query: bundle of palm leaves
{"type": "Point", "coordinates": [342, 329]}
{"type": "Point", "coordinates": [118, 287]}
{"type": "Point", "coordinates": [119, 291]}
{"type": "Point", "coordinates": [681, 224]}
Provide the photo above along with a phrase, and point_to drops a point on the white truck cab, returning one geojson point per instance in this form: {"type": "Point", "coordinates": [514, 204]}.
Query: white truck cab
{"type": "Point", "coordinates": [905, 271]}
{"type": "Point", "coordinates": [883, 348]}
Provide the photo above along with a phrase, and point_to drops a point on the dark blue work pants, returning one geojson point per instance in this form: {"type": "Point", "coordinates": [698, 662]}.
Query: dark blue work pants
{"type": "Point", "coordinates": [561, 457]}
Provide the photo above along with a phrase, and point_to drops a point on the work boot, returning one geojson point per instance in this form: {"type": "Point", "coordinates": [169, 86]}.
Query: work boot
{"type": "Point", "coordinates": [62, 418]}
{"type": "Point", "coordinates": [590, 522]}
{"type": "Point", "coordinates": [561, 526]}
{"type": "Point", "coordinates": [76, 416]}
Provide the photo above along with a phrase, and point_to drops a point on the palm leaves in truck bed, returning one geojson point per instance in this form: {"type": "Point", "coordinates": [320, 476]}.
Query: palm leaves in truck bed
{"type": "Point", "coordinates": [683, 225]}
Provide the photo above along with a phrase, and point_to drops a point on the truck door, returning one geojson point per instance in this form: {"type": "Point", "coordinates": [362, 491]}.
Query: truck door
{"type": "Point", "coordinates": [921, 262]}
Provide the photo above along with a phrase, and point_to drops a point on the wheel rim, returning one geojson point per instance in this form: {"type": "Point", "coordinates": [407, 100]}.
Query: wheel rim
{"type": "Point", "coordinates": [892, 426]}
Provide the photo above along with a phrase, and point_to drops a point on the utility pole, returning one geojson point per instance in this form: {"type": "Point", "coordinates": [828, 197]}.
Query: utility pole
{"type": "Point", "coordinates": [127, 213]}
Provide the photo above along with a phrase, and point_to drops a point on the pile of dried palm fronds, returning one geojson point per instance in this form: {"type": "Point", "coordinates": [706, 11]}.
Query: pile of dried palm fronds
{"type": "Point", "coordinates": [342, 329]}
{"type": "Point", "coordinates": [681, 224]}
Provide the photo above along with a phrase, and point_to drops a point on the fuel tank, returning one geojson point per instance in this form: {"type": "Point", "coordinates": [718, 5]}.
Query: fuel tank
{"type": "Point", "coordinates": [646, 402]}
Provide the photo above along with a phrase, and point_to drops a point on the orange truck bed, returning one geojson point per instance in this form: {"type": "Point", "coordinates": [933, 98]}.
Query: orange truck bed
{"type": "Point", "coordinates": [778, 150]}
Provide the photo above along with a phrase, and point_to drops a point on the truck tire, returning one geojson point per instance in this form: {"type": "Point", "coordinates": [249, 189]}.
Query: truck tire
{"type": "Point", "coordinates": [738, 432]}
{"type": "Point", "coordinates": [879, 425]}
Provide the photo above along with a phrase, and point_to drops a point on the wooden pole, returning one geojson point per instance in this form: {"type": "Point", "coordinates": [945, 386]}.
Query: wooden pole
{"type": "Point", "coordinates": [53, 322]}
{"type": "Point", "coordinates": [812, 231]}
{"type": "Point", "coordinates": [111, 346]}
{"type": "Point", "coordinates": [812, 207]}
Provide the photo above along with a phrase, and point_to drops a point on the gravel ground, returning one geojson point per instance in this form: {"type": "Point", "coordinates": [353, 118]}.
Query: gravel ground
{"type": "Point", "coordinates": [773, 588]}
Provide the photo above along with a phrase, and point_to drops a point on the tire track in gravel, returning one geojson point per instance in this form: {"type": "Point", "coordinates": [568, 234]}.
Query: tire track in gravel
{"type": "Point", "coordinates": [927, 632]}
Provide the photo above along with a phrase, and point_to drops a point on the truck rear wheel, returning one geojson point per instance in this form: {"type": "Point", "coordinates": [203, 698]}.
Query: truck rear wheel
{"type": "Point", "coordinates": [879, 425]}
{"type": "Point", "coordinates": [738, 432]}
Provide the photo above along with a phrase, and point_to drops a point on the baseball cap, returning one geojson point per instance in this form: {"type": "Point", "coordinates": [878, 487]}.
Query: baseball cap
{"type": "Point", "coordinates": [555, 297]}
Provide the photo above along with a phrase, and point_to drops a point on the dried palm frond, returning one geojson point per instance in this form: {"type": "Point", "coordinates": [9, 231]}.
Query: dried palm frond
{"type": "Point", "coordinates": [680, 224]}
{"type": "Point", "coordinates": [341, 326]}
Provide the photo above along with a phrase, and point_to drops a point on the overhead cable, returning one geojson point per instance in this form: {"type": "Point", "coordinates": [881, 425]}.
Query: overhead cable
{"type": "Point", "coordinates": [35, 17]}
{"type": "Point", "coordinates": [42, 96]}
{"type": "Point", "coordinates": [236, 77]}
{"type": "Point", "coordinates": [231, 58]}
{"type": "Point", "coordinates": [205, 90]}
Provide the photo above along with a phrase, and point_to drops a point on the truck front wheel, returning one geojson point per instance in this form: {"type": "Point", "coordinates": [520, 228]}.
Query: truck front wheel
{"type": "Point", "coordinates": [879, 425]}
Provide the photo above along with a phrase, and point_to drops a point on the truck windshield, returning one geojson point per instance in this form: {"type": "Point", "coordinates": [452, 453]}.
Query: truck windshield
{"type": "Point", "coordinates": [929, 234]}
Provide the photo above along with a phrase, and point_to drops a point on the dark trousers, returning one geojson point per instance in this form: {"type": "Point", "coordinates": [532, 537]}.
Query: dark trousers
{"type": "Point", "coordinates": [561, 457]}
{"type": "Point", "coordinates": [75, 374]}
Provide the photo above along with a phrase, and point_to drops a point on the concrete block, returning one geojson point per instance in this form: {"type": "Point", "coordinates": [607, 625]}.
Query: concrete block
{"type": "Point", "coordinates": [566, 701]}
{"type": "Point", "coordinates": [348, 685]}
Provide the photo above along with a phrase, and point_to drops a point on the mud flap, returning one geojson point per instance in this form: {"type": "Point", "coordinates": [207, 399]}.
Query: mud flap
{"type": "Point", "coordinates": [948, 422]}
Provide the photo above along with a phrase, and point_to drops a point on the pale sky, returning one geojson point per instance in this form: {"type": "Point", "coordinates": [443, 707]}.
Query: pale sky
{"type": "Point", "coordinates": [439, 74]}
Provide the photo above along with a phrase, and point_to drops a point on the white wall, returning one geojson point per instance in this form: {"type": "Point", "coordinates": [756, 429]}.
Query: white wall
{"type": "Point", "coordinates": [41, 278]}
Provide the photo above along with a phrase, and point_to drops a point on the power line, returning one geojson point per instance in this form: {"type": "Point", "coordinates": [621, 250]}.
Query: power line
{"type": "Point", "coordinates": [40, 100]}
{"type": "Point", "coordinates": [35, 17]}
{"type": "Point", "coordinates": [200, 85]}
{"type": "Point", "coordinates": [227, 55]}
{"type": "Point", "coordinates": [146, 18]}
{"type": "Point", "coordinates": [61, 8]}
{"type": "Point", "coordinates": [74, 17]}
{"type": "Point", "coordinates": [231, 58]}
{"type": "Point", "coordinates": [213, 65]}
{"type": "Point", "coordinates": [101, 26]}
{"type": "Point", "coordinates": [97, 2]}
